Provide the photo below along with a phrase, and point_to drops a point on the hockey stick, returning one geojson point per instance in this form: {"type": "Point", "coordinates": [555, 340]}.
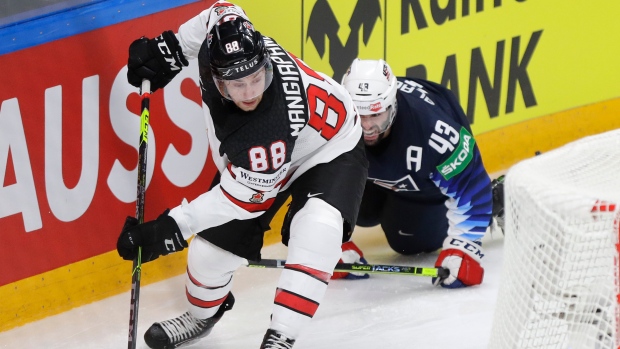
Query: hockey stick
{"type": "Point", "coordinates": [145, 93]}
{"type": "Point", "coordinates": [440, 272]}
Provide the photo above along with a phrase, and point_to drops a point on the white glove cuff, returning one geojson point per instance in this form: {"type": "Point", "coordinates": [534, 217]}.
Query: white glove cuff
{"type": "Point", "coordinates": [179, 217]}
{"type": "Point", "coordinates": [350, 256]}
{"type": "Point", "coordinates": [470, 248]}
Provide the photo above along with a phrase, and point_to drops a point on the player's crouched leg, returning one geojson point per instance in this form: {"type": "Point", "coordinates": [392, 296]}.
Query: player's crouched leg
{"type": "Point", "coordinates": [313, 251]}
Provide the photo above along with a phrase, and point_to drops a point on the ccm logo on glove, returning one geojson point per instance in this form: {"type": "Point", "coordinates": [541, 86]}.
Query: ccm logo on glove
{"type": "Point", "coordinates": [158, 60]}
{"type": "Point", "coordinates": [170, 245]}
{"type": "Point", "coordinates": [464, 245]}
{"type": "Point", "coordinates": [167, 54]}
{"type": "Point", "coordinates": [462, 258]}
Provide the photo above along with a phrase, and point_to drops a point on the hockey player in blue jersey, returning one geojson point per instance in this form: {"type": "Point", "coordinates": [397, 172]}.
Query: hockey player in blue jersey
{"type": "Point", "coordinates": [427, 186]}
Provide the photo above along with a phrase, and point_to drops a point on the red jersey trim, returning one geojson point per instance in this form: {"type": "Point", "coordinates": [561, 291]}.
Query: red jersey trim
{"type": "Point", "coordinates": [249, 206]}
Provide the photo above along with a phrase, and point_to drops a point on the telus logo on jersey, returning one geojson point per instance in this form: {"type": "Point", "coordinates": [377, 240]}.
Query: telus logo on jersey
{"type": "Point", "coordinates": [460, 158]}
{"type": "Point", "coordinates": [296, 102]}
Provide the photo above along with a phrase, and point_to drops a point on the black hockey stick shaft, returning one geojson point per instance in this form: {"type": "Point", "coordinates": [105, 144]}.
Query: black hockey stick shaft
{"type": "Point", "coordinates": [145, 93]}
{"type": "Point", "coordinates": [440, 272]}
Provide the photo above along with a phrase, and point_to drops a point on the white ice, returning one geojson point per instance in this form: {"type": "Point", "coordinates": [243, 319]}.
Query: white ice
{"type": "Point", "coordinates": [385, 311]}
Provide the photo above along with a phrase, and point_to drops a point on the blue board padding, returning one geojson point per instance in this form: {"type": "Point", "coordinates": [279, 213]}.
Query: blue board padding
{"type": "Point", "coordinates": [76, 20]}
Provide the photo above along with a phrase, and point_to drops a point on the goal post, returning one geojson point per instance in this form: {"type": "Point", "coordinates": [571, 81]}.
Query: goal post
{"type": "Point", "coordinates": [559, 281]}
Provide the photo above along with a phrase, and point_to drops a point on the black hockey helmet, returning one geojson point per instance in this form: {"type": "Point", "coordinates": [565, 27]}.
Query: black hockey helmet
{"type": "Point", "coordinates": [237, 51]}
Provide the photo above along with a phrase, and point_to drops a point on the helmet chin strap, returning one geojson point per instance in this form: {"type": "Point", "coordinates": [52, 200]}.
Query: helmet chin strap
{"type": "Point", "coordinates": [390, 120]}
{"type": "Point", "coordinates": [393, 112]}
{"type": "Point", "coordinates": [386, 126]}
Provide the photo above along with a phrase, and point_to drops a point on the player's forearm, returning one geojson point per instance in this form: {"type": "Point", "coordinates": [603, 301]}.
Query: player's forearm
{"type": "Point", "coordinates": [471, 228]}
{"type": "Point", "coordinates": [191, 35]}
{"type": "Point", "coordinates": [470, 203]}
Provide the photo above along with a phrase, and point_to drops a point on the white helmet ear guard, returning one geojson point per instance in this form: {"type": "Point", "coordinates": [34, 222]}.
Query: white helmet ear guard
{"type": "Point", "coordinates": [372, 85]}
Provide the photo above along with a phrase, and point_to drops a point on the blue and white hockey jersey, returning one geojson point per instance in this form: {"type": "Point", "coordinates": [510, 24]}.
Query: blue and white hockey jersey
{"type": "Point", "coordinates": [431, 154]}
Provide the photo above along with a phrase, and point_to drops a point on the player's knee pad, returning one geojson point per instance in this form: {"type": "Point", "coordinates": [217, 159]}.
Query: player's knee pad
{"type": "Point", "coordinates": [209, 277]}
{"type": "Point", "coordinates": [209, 264]}
{"type": "Point", "coordinates": [316, 236]}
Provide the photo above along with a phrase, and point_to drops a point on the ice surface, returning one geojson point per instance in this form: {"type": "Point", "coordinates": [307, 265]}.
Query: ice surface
{"type": "Point", "coordinates": [385, 311]}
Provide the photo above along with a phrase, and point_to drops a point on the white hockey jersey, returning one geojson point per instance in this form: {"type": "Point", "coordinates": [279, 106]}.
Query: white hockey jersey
{"type": "Point", "coordinates": [305, 118]}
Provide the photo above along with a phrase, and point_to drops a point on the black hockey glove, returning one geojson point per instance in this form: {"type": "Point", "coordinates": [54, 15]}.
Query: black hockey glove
{"type": "Point", "coordinates": [159, 237]}
{"type": "Point", "coordinates": [158, 60]}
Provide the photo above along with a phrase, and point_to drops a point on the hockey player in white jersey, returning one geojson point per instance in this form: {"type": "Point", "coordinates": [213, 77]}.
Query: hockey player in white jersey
{"type": "Point", "coordinates": [276, 128]}
{"type": "Point", "coordinates": [427, 186]}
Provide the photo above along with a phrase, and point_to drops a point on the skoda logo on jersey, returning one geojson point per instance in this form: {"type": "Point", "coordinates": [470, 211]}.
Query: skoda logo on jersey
{"type": "Point", "coordinates": [460, 158]}
{"type": "Point", "coordinates": [323, 23]}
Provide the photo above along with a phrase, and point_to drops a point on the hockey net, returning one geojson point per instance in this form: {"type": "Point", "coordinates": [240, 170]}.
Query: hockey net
{"type": "Point", "coordinates": [559, 284]}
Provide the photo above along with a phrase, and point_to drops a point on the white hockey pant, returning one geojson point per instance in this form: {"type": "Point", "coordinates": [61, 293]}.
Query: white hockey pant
{"type": "Point", "coordinates": [314, 248]}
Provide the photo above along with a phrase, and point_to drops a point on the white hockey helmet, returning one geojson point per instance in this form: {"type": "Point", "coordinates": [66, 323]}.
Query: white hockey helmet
{"type": "Point", "coordinates": [372, 85]}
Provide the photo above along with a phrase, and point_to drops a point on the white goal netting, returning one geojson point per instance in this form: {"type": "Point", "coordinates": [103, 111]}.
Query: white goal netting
{"type": "Point", "coordinates": [559, 283]}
